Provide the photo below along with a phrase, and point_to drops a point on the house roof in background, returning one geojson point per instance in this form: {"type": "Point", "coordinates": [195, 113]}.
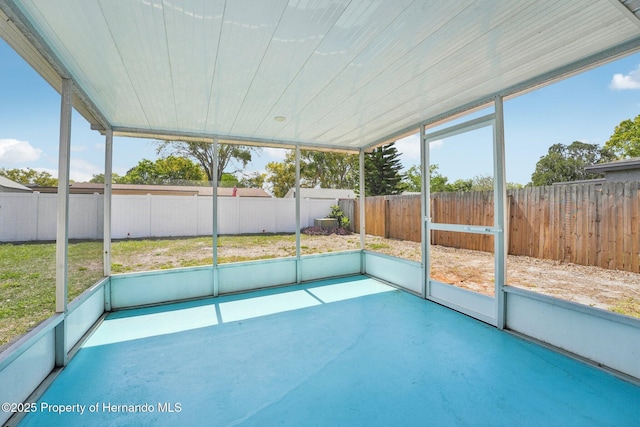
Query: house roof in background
{"type": "Point", "coordinates": [335, 74]}
{"type": "Point", "coordinates": [618, 165]}
{"type": "Point", "coordinates": [322, 193]}
{"type": "Point", "coordinates": [168, 190]}
{"type": "Point", "coordinates": [7, 183]}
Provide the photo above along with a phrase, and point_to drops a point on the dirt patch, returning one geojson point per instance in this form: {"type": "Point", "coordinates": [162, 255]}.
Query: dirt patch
{"type": "Point", "coordinates": [612, 290]}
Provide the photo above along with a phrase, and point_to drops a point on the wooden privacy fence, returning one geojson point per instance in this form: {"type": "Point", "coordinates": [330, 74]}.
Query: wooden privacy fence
{"type": "Point", "coordinates": [588, 224]}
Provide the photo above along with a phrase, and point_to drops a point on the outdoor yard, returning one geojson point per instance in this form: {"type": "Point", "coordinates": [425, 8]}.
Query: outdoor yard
{"type": "Point", "coordinates": [27, 271]}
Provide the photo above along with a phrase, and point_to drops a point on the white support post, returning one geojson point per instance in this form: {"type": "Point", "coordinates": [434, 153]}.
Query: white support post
{"type": "Point", "coordinates": [106, 243]}
{"type": "Point", "coordinates": [108, 175]}
{"type": "Point", "coordinates": [361, 199]}
{"type": "Point", "coordinates": [62, 230]}
{"type": "Point", "coordinates": [500, 210]}
{"type": "Point", "coordinates": [298, 251]}
{"type": "Point", "coordinates": [425, 213]}
{"type": "Point", "coordinates": [214, 183]}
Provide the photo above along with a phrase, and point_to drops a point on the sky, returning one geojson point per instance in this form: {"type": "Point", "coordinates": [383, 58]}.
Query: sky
{"type": "Point", "coordinates": [586, 108]}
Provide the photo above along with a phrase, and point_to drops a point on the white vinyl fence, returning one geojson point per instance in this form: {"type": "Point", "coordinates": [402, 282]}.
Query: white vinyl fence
{"type": "Point", "coordinates": [32, 216]}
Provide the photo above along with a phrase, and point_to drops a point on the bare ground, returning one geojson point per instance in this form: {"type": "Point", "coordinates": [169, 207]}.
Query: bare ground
{"type": "Point", "coordinates": [597, 287]}
{"type": "Point", "coordinates": [612, 290]}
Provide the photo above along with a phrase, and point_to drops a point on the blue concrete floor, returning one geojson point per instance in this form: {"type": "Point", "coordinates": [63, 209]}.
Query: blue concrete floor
{"type": "Point", "coordinates": [337, 352]}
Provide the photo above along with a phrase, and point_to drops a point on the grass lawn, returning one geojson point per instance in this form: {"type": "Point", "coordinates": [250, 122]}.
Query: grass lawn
{"type": "Point", "coordinates": [28, 276]}
{"type": "Point", "coordinates": [28, 282]}
{"type": "Point", "coordinates": [27, 271]}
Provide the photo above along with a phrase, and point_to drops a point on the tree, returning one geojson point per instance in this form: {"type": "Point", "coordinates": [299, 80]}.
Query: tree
{"type": "Point", "coordinates": [382, 171]}
{"type": "Point", "coordinates": [567, 162]}
{"type": "Point", "coordinates": [328, 169]}
{"type": "Point", "coordinates": [439, 184]}
{"type": "Point", "coordinates": [412, 180]}
{"type": "Point", "coordinates": [28, 176]}
{"type": "Point", "coordinates": [281, 176]}
{"type": "Point", "coordinates": [253, 180]}
{"type": "Point", "coordinates": [99, 178]}
{"type": "Point", "coordinates": [168, 170]}
{"type": "Point", "coordinates": [202, 153]}
{"type": "Point", "coordinates": [625, 141]}
{"type": "Point", "coordinates": [317, 169]}
{"type": "Point", "coordinates": [228, 180]}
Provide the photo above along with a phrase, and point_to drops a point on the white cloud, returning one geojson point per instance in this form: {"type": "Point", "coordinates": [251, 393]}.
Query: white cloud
{"type": "Point", "coordinates": [437, 143]}
{"type": "Point", "coordinates": [13, 151]}
{"type": "Point", "coordinates": [83, 171]}
{"type": "Point", "coordinates": [628, 81]}
{"type": "Point", "coordinates": [277, 154]}
{"type": "Point", "coordinates": [78, 148]}
{"type": "Point", "coordinates": [409, 147]}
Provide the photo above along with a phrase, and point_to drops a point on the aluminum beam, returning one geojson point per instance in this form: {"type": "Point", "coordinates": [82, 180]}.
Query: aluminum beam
{"type": "Point", "coordinates": [474, 124]}
{"type": "Point", "coordinates": [62, 228]}
{"type": "Point", "coordinates": [500, 212]}
{"type": "Point", "coordinates": [108, 177]}
{"type": "Point", "coordinates": [298, 251]}
{"type": "Point", "coordinates": [425, 212]}
{"type": "Point", "coordinates": [214, 214]}
{"type": "Point", "coordinates": [361, 199]}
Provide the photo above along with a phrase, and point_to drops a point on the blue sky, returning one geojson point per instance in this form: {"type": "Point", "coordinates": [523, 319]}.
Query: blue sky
{"type": "Point", "coordinates": [586, 107]}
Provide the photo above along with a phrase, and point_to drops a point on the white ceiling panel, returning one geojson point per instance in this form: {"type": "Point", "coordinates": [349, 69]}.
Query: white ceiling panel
{"type": "Point", "coordinates": [193, 29]}
{"type": "Point", "coordinates": [247, 31]}
{"type": "Point", "coordinates": [338, 73]}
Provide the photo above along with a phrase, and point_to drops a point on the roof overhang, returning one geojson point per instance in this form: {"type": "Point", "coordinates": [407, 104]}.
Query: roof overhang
{"type": "Point", "coordinates": [619, 165]}
{"type": "Point", "coordinates": [329, 74]}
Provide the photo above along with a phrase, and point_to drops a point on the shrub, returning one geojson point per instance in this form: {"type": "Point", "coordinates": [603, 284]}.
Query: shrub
{"type": "Point", "coordinates": [336, 212]}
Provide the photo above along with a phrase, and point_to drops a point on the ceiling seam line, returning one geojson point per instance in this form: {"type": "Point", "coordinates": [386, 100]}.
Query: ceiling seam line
{"type": "Point", "coordinates": [380, 73]}
{"type": "Point", "coordinates": [300, 69]}
{"type": "Point", "coordinates": [408, 82]}
{"type": "Point", "coordinates": [545, 79]}
{"type": "Point", "coordinates": [133, 87]}
{"type": "Point", "coordinates": [215, 67]}
{"type": "Point", "coordinates": [253, 78]}
{"type": "Point", "coordinates": [352, 59]}
{"type": "Point", "coordinates": [173, 88]}
{"type": "Point", "coordinates": [380, 98]}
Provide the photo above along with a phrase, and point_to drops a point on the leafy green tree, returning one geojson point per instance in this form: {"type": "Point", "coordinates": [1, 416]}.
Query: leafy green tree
{"type": "Point", "coordinates": [567, 162]}
{"type": "Point", "coordinates": [167, 170]}
{"type": "Point", "coordinates": [253, 180]}
{"type": "Point", "coordinates": [229, 180]}
{"type": "Point", "coordinates": [28, 176]}
{"type": "Point", "coordinates": [99, 178]}
{"type": "Point", "coordinates": [281, 176]}
{"type": "Point", "coordinates": [328, 169]}
{"type": "Point", "coordinates": [202, 153]}
{"type": "Point", "coordinates": [625, 141]}
{"type": "Point", "coordinates": [412, 180]}
{"type": "Point", "coordinates": [440, 184]}
{"type": "Point", "coordinates": [485, 183]}
{"type": "Point", "coordinates": [382, 171]}
{"type": "Point", "coordinates": [317, 169]}
{"type": "Point", "coordinates": [459, 185]}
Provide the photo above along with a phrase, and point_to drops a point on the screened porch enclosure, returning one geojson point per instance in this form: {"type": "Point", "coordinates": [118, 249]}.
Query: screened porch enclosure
{"type": "Point", "coordinates": [373, 335]}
